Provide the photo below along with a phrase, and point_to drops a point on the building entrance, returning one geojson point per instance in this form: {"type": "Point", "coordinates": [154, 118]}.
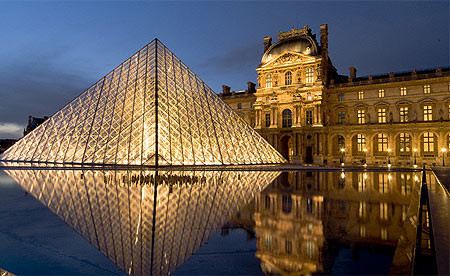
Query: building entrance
{"type": "Point", "coordinates": [286, 148]}
{"type": "Point", "coordinates": [309, 155]}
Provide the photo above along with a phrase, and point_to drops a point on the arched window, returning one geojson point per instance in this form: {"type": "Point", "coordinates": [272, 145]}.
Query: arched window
{"type": "Point", "coordinates": [288, 78]}
{"type": "Point", "coordinates": [309, 75]}
{"type": "Point", "coordinates": [341, 142]}
{"type": "Point", "coordinates": [269, 81]}
{"type": "Point", "coordinates": [287, 118]}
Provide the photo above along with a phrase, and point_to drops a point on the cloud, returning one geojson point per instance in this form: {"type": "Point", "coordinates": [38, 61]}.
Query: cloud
{"type": "Point", "coordinates": [10, 130]}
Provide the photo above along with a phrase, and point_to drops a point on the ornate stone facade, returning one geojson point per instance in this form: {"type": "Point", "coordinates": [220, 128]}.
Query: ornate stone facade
{"type": "Point", "coordinates": [311, 114]}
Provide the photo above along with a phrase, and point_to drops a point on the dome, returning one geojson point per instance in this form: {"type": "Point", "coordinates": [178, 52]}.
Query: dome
{"type": "Point", "coordinates": [304, 45]}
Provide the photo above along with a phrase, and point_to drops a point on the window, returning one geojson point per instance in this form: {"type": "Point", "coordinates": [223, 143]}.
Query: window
{"type": "Point", "coordinates": [426, 89]}
{"type": "Point", "coordinates": [383, 211]}
{"type": "Point", "coordinates": [309, 206]}
{"type": "Point", "coordinates": [382, 115]}
{"type": "Point", "coordinates": [381, 93]}
{"type": "Point", "coordinates": [309, 117]}
{"type": "Point", "coordinates": [362, 182]}
{"type": "Point", "coordinates": [428, 142]}
{"type": "Point", "coordinates": [310, 248]}
{"type": "Point", "coordinates": [310, 75]}
{"type": "Point", "coordinates": [267, 99]}
{"type": "Point", "coordinates": [267, 119]}
{"type": "Point", "coordinates": [287, 118]}
{"type": "Point", "coordinates": [362, 231]}
{"type": "Point", "coordinates": [361, 142]}
{"type": "Point", "coordinates": [286, 204]}
{"type": "Point", "coordinates": [383, 183]}
{"type": "Point", "coordinates": [362, 209]}
{"type": "Point", "coordinates": [383, 233]}
{"type": "Point", "coordinates": [405, 180]}
{"type": "Point", "coordinates": [405, 142]}
{"type": "Point", "coordinates": [361, 95]}
{"type": "Point", "coordinates": [269, 81]}
{"type": "Point", "coordinates": [361, 116]}
{"type": "Point", "coordinates": [382, 141]}
{"type": "Point", "coordinates": [288, 78]}
{"type": "Point", "coordinates": [341, 97]}
{"type": "Point", "coordinates": [427, 113]}
{"type": "Point", "coordinates": [341, 117]}
{"type": "Point", "coordinates": [402, 91]}
{"type": "Point", "coordinates": [404, 114]}
{"type": "Point", "coordinates": [341, 142]}
{"type": "Point", "coordinates": [239, 106]}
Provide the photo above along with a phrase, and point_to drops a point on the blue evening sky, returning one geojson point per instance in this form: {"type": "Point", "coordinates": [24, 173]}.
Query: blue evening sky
{"type": "Point", "coordinates": [50, 51]}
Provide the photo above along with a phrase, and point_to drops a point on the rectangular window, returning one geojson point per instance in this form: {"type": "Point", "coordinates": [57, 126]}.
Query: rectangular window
{"type": "Point", "coordinates": [383, 183]}
{"type": "Point", "coordinates": [361, 95]}
{"type": "Point", "coordinates": [362, 209]}
{"type": "Point", "coordinates": [362, 182]}
{"type": "Point", "coordinates": [267, 99]}
{"type": "Point", "coordinates": [427, 113]}
{"type": "Point", "coordinates": [382, 140]}
{"type": "Point", "coordinates": [239, 106]}
{"type": "Point", "coordinates": [341, 117]}
{"type": "Point", "coordinates": [384, 234]}
{"type": "Point", "coordinates": [362, 231]}
{"type": "Point", "coordinates": [361, 116]}
{"type": "Point", "coordinates": [404, 114]}
{"type": "Point", "coordinates": [383, 211]}
{"type": "Point", "coordinates": [341, 97]}
{"type": "Point", "coordinates": [267, 119]}
{"type": "Point", "coordinates": [405, 142]}
{"type": "Point", "coordinates": [428, 142]}
{"type": "Point", "coordinates": [427, 89]}
{"type": "Point", "coordinates": [381, 115]}
{"type": "Point", "coordinates": [361, 142]}
{"type": "Point", "coordinates": [381, 93]}
{"type": "Point", "coordinates": [309, 117]}
{"type": "Point", "coordinates": [403, 91]}
{"type": "Point", "coordinates": [309, 75]}
{"type": "Point", "coordinates": [269, 81]}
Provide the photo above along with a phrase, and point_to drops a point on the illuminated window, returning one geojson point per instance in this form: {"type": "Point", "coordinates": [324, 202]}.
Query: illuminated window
{"type": "Point", "coordinates": [362, 231]}
{"type": "Point", "coordinates": [428, 142]}
{"type": "Point", "coordinates": [341, 97]}
{"type": "Point", "coordinates": [382, 141]}
{"type": "Point", "coordinates": [383, 183]}
{"type": "Point", "coordinates": [362, 209]}
{"type": "Point", "coordinates": [426, 89]}
{"type": "Point", "coordinates": [405, 142]}
{"type": "Point", "coordinates": [310, 75]}
{"type": "Point", "coordinates": [383, 211]}
{"type": "Point", "coordinates": [362, 182]}
{"type": "Point", "coordinates": [268, 242]}
{"type": "Point", "coordinates": [269, 81]}
{"type": "Point", "coordinates": [267, 119]}
{"type": "Point", "coordinates": [403, 91]}
{"type": "Point", "coordinates": [239, 106]}
{"type": "Point", "coordinates": [288, 78]}
{"type": "Point", "coordinates": [287, 118]}
{"type": "Point", "coordinates": [404, 114]}
{"type": "Point", "coordinates": [361, 95]}
{"type": "Point", "coordinates": [404, 212]}
{"type": "Point", "coordinates": [361, 142]}
{"type": "Point", "coordinates": [309, 117]}
{"type": "Point", "coordinates": [427, 113]}
{"type": "Point", "coordinates": [381, 93]}
{"type": "Point", "coordinates": [384, 234]}
{"type": "Point", "coordinates": [381, 115]}
{"type": "Point", "coordinates": [361, 116]}
{"type": "Point", "coordinates": [341, 117]}
{"type": "Point", "coordinates": [405, 179]}
{"type": "Point", "coordinates": [310, 248]}
{"type": "Point", "coordinates": [267, 99]}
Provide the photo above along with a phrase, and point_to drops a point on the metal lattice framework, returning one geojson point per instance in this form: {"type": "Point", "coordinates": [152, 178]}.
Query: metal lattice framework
{"type": "Point", "coordinates": [150, 110]}
{"type": "Point", "coordinates": [146, 222]}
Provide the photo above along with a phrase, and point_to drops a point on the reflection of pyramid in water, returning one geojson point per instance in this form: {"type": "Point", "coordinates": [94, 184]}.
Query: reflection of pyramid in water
{"type": "Point", "coordinates": [129, 118]}
{"type": "Point", "coordinates": [144, 230]}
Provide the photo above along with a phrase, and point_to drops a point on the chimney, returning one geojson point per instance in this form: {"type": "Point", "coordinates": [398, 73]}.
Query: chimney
{"type": "Point", "coordinates": [226, 89]}
{"type": "Point", "coordinates": [324, 52]}
{"type": "Point", "coordinates": [251, 87]}
{"type": "Point", "coordinates": [352, 73]}
{"type": "Point", "coordinates": [267, 43]}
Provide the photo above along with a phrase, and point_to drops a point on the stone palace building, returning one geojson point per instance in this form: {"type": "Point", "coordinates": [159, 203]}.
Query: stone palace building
{"type": "Point", "coordinates": [311, 114]}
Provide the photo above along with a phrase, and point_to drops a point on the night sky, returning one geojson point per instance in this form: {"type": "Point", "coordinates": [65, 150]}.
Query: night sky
{"type": "Point", "coordinates": [50, 52]}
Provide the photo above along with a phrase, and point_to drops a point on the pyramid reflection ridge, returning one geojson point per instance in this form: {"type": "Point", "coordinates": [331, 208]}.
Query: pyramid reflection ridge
{"type": "Point", "coordinates": [150, 110]}
{"type": "Point", "coordinates": [146, 222]}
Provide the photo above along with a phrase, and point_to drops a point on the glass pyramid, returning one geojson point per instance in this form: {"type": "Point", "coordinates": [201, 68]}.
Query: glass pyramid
{"type": "Point", "coordinates": [146, 222]}
{"type": "Point", "coordinates": [150, 110]}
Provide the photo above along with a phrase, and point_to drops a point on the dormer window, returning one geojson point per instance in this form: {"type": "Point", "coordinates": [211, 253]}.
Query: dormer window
{"type": "Point", "coordinates": [310, 75]}
{"type": "Point", "coordinates": [269, 81]}
{"type": "Point", "coordinates": [288, 78]}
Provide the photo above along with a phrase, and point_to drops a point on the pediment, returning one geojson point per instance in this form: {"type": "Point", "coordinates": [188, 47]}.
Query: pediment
{"type": "Point", "coordinates": [289, 57]}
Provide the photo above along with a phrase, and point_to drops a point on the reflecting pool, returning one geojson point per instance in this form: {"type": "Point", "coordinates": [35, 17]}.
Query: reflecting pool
{"type": "Point", "coordinates": [215, 222]}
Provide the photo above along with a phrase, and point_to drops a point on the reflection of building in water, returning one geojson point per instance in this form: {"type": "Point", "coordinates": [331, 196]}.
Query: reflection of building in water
{"type": "Point", "coordinates": [146, 222]}
{"type": "Point", "coordinates": [303, 216]}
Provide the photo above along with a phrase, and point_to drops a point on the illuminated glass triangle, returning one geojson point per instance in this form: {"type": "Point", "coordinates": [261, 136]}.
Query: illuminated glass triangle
{"type": "Point", "coordinates": [150, 110]}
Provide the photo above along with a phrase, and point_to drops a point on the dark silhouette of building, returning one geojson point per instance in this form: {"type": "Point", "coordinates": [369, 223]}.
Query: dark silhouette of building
{"type": "Point", "coordinates": [33, 122]}
{"type": "Point", "coordinates": [6, 143]}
